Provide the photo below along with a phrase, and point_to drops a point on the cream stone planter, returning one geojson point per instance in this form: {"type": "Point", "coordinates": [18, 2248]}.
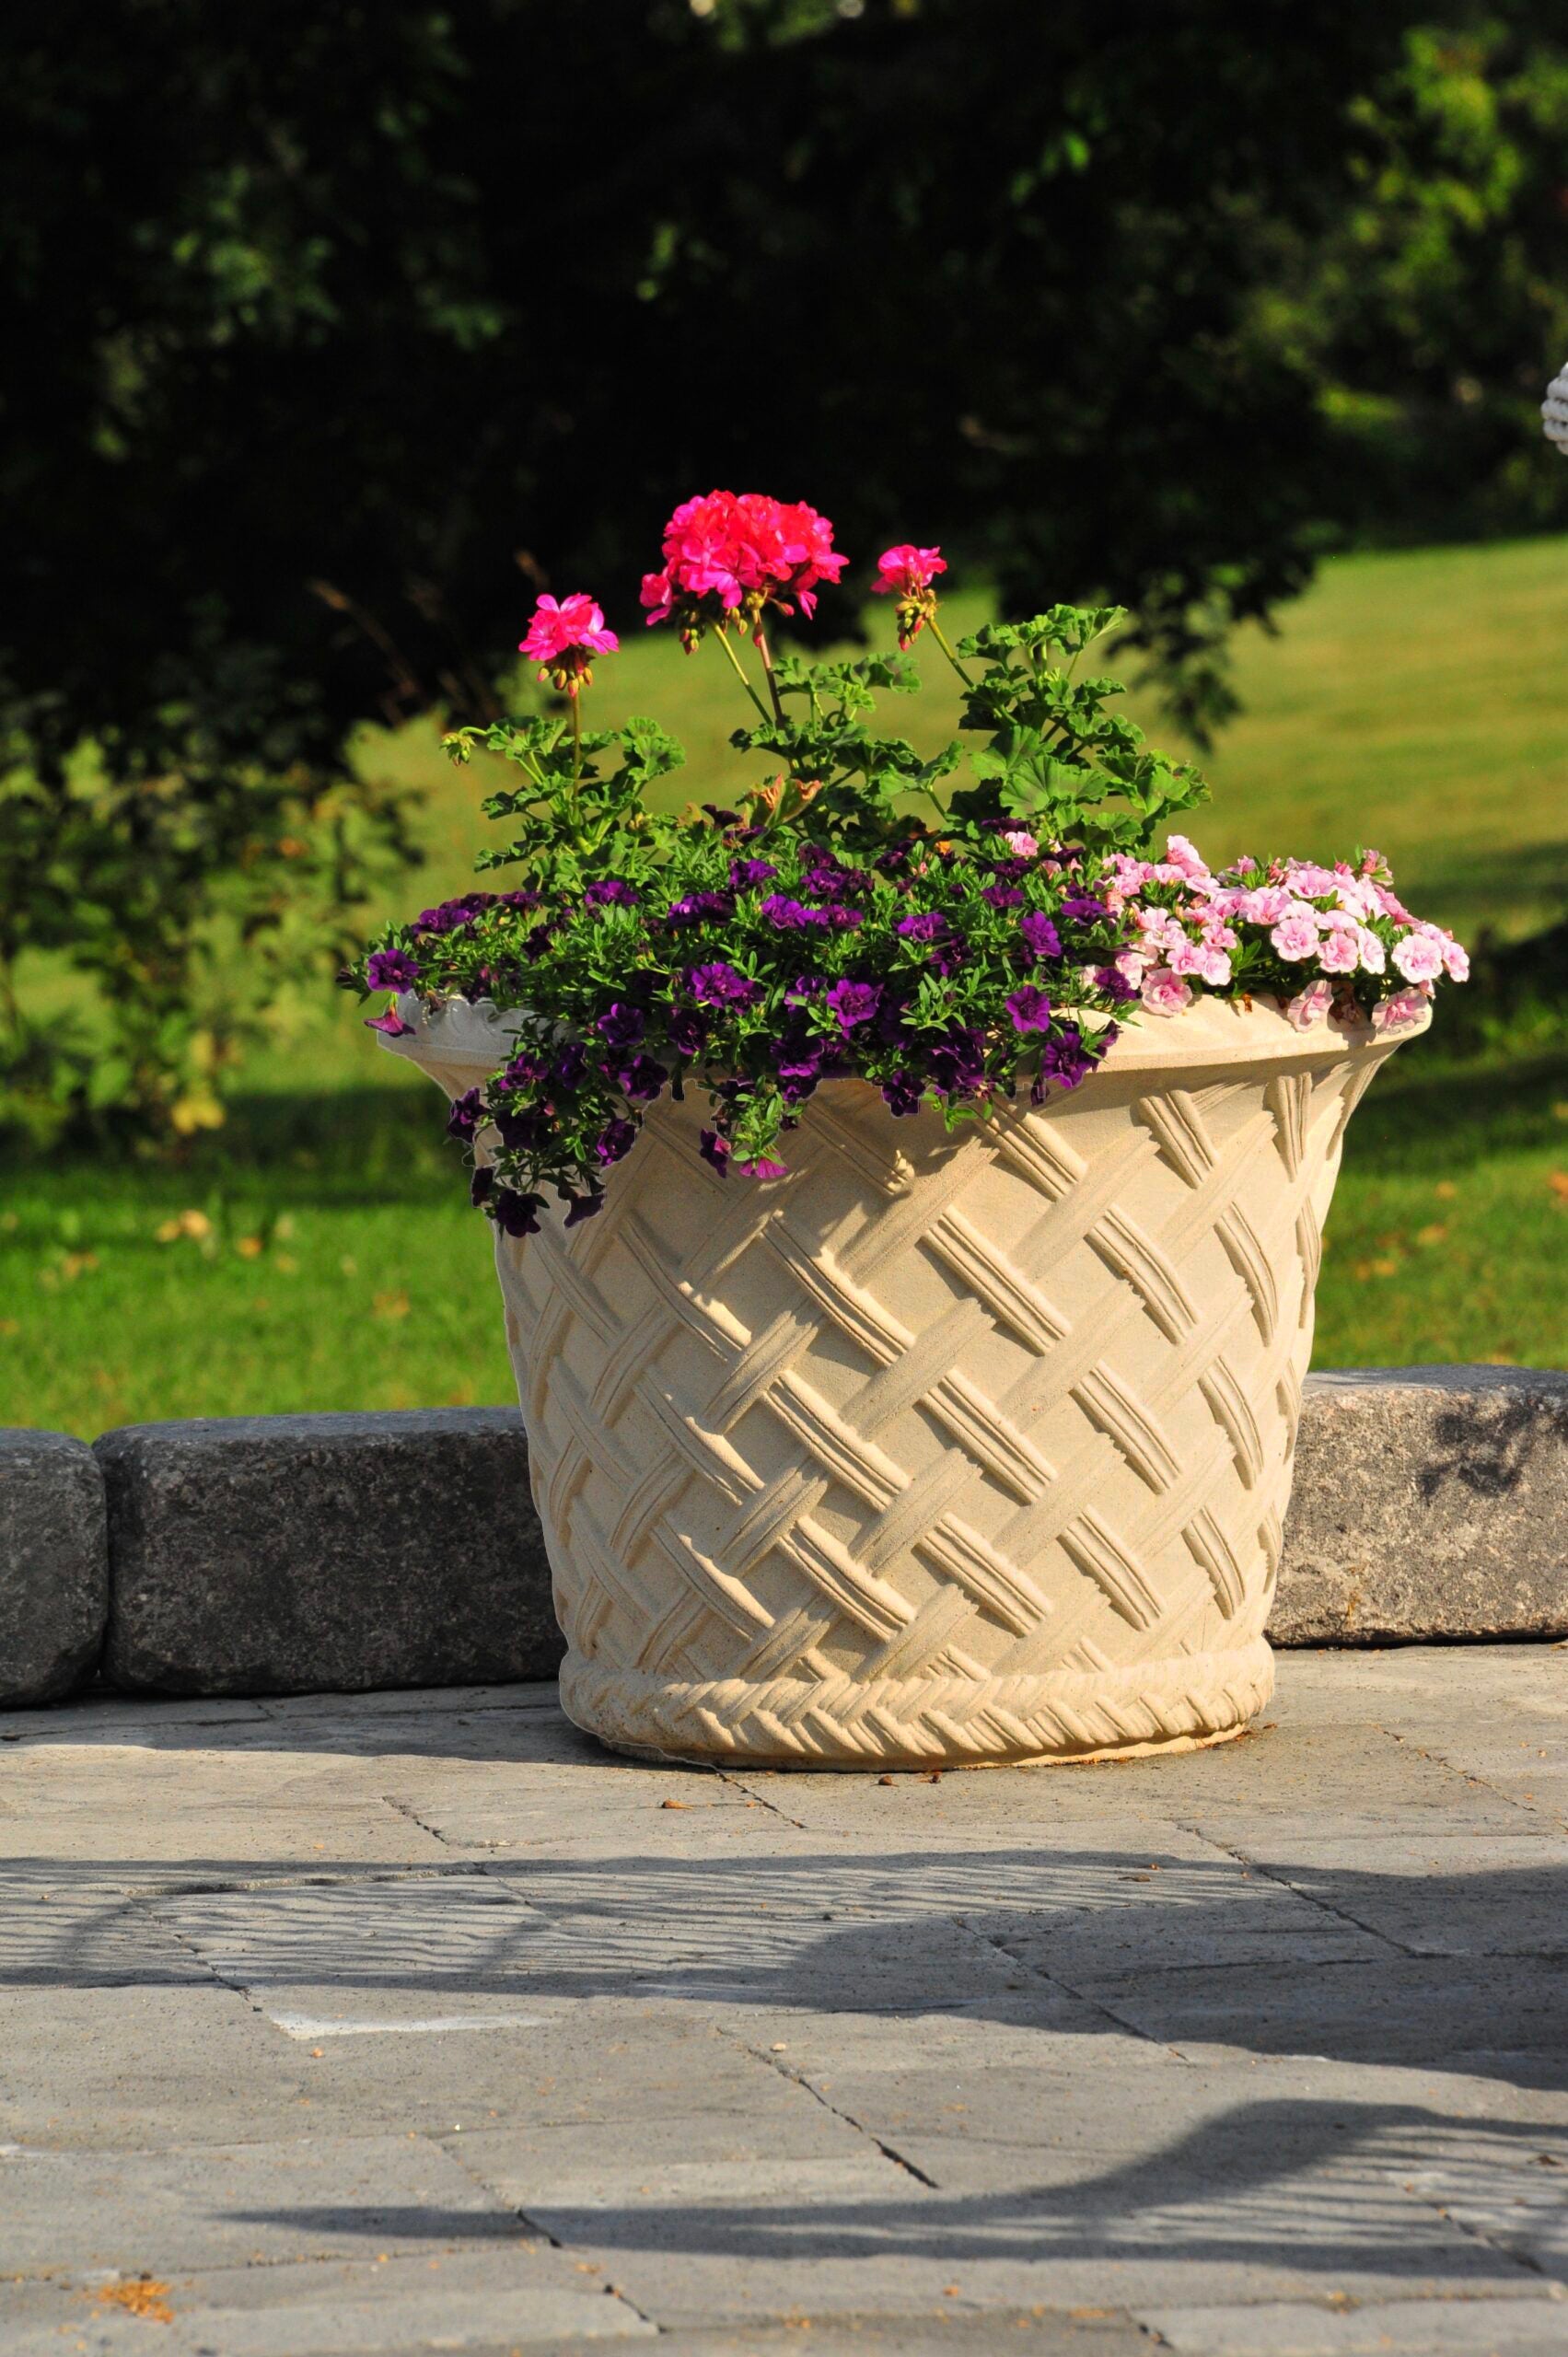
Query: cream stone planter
{"type": "Point", "coordinates": [944, 1449]}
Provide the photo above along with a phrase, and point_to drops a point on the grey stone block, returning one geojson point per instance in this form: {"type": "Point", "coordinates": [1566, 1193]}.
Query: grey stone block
{"type": "Point", "coordinates": [1429, 1502]}
{"type": "Point", "coordinates": [53, 1565]}
{"type": "Point", "coordinates": [288, 1554]}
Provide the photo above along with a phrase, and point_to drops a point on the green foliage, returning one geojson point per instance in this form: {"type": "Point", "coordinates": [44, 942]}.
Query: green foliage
{"type": "Point", "coordinates": [1057, 760]}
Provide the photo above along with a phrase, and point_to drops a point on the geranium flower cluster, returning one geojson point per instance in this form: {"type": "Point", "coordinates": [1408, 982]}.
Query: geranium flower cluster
{"type": "Point", "coordinates": [737, 553]}
{"type": "Point", "coordinates": [855, 915]}
{"type": "Point", "coordinates": [1323, 941]}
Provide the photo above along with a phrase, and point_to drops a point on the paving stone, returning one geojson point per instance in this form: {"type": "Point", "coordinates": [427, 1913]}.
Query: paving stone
{"type": "Point", "coordinates": [53, 1565]}
{"type": "Point", "coordinates": [239, 2203]}
{"type": "Point", "coordinates": [1427, 1503]}
{"type": "Point", "coordinates": [1437, 2328]}
{"type": "Point", "coordinates": [356, 2307]}
{"type": "Point", "coordinates": [1411, 2010]}
{"type": "Point", "coordinates": [178, 2065]}
{"type": "Point", "coordinates": [283, 1554]}
{"type": "Point", "coordinates": [955, 2329]}
{"type": "Point", "coordinates": [1432, 1892]}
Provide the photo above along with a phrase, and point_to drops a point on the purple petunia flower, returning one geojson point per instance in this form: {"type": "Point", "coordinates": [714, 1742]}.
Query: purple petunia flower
{"type": "Point", "coordinates": [714, 1149]}
{"type": "Point", "coordinates": [700, 907]}
{"type": "Point", "coordinates": [524, 1132]}
{"type": "Point", "coordinates": [760, 1167]}
{"type": "Point", "coordinates": [805, 986]}
{"type": "Point", "coordinates": [1002, 896]}
{"type": "Point", "coordinates": [642, 1080]}
{"type": "Point", "coordinates": [391, 1023]}
{"type": "Point", "coordinates": [720, 985]}
{"type": "Point", "coordinates": [854, 1003]}
{"type": "Point", "coordinates": [1041, 937]}
{"type": "Point", "coordinates": [392, 969]}
{"type": "Point", "coordinates": [1084, 909]}
{"type": "Point", "coordinates": [745, 873]}
{"type": "Point", "coordinates": [957, 1062]}
{"type": "Point", "coordinates": [570, 1065]}
{"type": "Point", "coordinates": [902, 1094]}
{"type": "Point", "coordinates": [621, 1025]}
{"type": "Point", "coordinates": [1029, 1009]}
{"type": "Point", "coordinates": [611, 892]}
{"type": "Point", "coordinates": [687, 1031]}
{"type": "Point", "coordinates": [482, 1186]}
{"type": "Point", "coordinates": [1114, 983]}
{"type": "Point", "coordinates": [926, 924]}
{"type": "Point", "coordinates": [466, 1115]}
{"type": "Point", "coordinates": [616, 1138]}
{"type": "Point", "coordinates": [517, 1214]}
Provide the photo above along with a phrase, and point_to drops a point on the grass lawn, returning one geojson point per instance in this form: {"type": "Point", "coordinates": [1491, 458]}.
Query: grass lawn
{"type": "Point", "coordinates": [318, 1252]}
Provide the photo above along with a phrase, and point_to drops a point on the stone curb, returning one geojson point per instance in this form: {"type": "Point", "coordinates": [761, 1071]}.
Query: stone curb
{"type": "Point", "coordinates": [1429, 1502]}
{"type": "Point", "coordinates": [299, 1554]}
{"type": "Point", "coordinates": [53, 1565]}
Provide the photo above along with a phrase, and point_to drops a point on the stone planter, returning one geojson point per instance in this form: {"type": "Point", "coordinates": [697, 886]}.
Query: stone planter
{"type": "Point", "coordinates": [946, 1448]}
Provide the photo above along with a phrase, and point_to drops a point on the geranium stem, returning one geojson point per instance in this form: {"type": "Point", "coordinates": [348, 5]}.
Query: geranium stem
{"type": "Point", "coordinates": [940, 635]}
{"type": "Point", "coordinates": [575, 702]}
{"type": "Point", "coordinates": [723, 637]}
{"type": "Point", "coordinates": [761, 638]}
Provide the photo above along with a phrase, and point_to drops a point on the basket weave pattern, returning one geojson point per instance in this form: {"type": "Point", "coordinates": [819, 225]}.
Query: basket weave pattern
{"type": "Point", "coordinates": [955, 1447]}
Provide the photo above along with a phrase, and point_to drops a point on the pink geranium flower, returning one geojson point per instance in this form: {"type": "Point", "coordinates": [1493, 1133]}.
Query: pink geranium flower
{"type": "Point", "coordinates": [726, 552]}
{"type": "Point", "coordinates": [564, 635]}
{"type": "Point", "coordinates": [906, 571]}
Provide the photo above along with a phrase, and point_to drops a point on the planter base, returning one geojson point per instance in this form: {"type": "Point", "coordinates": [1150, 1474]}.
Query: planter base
{"type": "Point", "coordinates": [855, 1724]}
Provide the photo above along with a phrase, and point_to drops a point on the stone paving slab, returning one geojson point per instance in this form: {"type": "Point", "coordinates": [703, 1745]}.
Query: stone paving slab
{"type": "Point", "coordinates": [393, 2023]}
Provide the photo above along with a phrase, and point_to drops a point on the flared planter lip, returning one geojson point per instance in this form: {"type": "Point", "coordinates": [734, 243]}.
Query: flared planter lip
{"type": "Point", "coordinates": [476, 1036]}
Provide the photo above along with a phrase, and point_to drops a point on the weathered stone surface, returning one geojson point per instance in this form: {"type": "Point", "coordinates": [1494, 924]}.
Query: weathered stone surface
{"type": "Point", "coordinates": [1428, 1502]}
{"type": "Point", "coordinates": [53, 1565]}
{"type": "Point", "coordinates": [282, 1554]}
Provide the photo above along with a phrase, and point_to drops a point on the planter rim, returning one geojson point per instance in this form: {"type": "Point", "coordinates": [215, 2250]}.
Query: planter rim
{"type": "Point", "coordinates": [1210, 1033]}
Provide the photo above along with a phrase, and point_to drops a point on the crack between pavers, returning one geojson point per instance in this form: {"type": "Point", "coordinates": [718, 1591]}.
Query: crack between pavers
{"type": "Point", "coordinates": [1478, 2234]}
{"type": "Point", "coordinates": [1098, 2005]}
{"type": "Point", "coordinates": [1324, 1906]}
{"type": "Point", "coordinates": [537, 2226]}
{"type": "Point", "coordinates": [1529, 1810]}
{"type": "Point", "coordinates": [798, 2079]}
{"type": "Point", "coordinates": [739, 1784]}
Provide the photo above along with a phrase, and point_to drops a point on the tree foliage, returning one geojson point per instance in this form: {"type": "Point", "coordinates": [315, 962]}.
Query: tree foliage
{"type": "Point", "coordinates": [333, 328]}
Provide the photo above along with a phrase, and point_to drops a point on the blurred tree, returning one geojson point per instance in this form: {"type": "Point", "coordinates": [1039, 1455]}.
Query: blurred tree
{"type": "Point", "coordinates": [334, 330]}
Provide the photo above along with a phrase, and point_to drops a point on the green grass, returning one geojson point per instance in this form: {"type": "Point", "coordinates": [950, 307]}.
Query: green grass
{"type": "Point", "coordinates": [1417, 701]}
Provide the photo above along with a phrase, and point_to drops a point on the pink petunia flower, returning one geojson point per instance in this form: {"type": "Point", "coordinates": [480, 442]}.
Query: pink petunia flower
{"type": "Point", "coordinates": [1020, 842]}
{"type": "Point", "coordinates": [1340, 952]}
{"type": "Point", "coordinates": [1184, 856]}
{"type": "Point", "coordinates": [1310, 1006]}
{"type": "Point", "coordinates": [1418, 957]}
{"type": "Point", "coordinates": [1404, 1007]}
{"type": "Point", "coordinates": [1295, 936]}
{"type": "Point", "coordinates": [563, 636]}
{"type": "Point", "coordinates": [1374, 957]}
{"type": "Point", "coordinates": [1456, 960]}
{"type": "Point", "coordinates": [1165, 992]}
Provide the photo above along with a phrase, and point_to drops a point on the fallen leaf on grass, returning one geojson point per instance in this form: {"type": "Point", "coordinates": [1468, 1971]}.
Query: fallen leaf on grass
{"type": "Point", "coordinates": [390, 1305]}
{"type": "Point", "coordinates": [249, 1247]}
{"type": "Point", "coordinates": [195, 1225]}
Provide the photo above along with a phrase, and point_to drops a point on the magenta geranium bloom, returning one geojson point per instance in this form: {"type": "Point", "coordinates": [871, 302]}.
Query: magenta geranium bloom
{"type": "Point", "coordinates": [562, 638]}
{"type": "Point", "coordinates": [906, 571]}
{"type": "Point", "coordinates": [730, 550]}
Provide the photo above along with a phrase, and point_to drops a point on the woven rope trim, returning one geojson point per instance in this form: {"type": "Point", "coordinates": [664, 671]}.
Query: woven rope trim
{"type": "Point", "coordinates": [870, 1723]}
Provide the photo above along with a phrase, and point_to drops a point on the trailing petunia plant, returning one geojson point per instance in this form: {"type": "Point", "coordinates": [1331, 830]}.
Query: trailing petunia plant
{"type": "Point", "coordinates": [952, 930]}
